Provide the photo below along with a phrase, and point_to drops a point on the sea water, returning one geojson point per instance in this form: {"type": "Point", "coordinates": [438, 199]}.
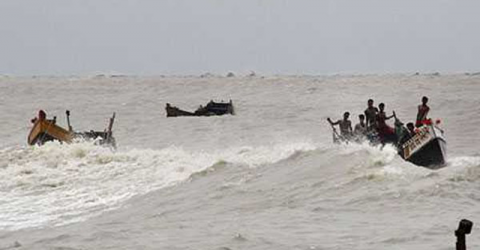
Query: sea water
{"type": "Point", "coordinates": [268, 177]}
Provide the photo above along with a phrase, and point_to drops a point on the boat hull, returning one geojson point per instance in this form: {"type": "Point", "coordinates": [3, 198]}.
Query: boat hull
{"type": "Point", "coordinates": [211, 109]}
{"type": "Point", "coordinates": [174, 112]}
{"type": "Point", "coordinates": [47, 130]}
{"type": "Point", "coordinates": [431, 155]}
{"type": "Point", "coordinates": [427, 148]}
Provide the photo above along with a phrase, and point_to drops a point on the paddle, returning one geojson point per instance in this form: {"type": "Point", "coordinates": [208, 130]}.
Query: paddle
{"type": "Point", "coordinates": [68, 120]}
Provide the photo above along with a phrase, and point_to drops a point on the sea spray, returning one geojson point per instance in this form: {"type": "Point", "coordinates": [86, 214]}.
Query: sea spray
{"type": "Point", "coordinates": [60, 183]}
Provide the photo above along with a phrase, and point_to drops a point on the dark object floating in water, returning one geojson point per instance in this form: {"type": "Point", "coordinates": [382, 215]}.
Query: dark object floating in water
{"type": "Point", "coordinates": [427, 148]}
{"type": "Point", "coordinates": [47, 130]}
{"type": "Point", "coordinates": [212, 108]}
{"type": "Point", "coordinates": [464, 228]}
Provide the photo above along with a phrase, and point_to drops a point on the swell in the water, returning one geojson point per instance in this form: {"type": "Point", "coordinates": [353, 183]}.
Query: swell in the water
{"type": "Point", "coordinates": [64, 183]}
{"type": "Point", "coordinates": [60, 184]}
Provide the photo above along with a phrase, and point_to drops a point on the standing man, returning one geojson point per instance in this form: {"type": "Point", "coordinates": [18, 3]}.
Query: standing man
{"type": "Point", "coordinates": [386, 133]}
{"type": "Point", "coordinates": [345, 126]}
{"type": "Point", "coordinates": [371, 115]}
{"type": "Point", "coordinates": [422, 112]}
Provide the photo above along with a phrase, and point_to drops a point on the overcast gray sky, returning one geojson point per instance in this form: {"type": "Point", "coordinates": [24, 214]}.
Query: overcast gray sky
{"type": "Point", "coordinates": [152, 37]}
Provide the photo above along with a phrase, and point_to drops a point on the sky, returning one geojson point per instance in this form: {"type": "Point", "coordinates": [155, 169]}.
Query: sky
{"type": "Point", "coordinates": [154, 37]}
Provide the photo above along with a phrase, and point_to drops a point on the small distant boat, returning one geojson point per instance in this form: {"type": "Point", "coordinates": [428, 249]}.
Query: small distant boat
{"type": "Point", "coordinates": [45, 130]}
{"type": "Point", "coordinates": [427, 148]}
{"type": "Point", "coordinates": [211, 109]}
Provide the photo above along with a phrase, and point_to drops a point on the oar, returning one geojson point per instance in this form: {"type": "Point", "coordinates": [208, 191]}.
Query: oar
{"type": "Point", "coordinates": [68, 120]}
{"type": "Point", "coordinates": [110, 125]}
{"type": "Point", "coordinates": [336, 136]}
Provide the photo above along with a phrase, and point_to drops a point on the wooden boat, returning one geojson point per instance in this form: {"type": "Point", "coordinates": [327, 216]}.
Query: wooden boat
{"type": "Point", "coordinates": [44, 130]}
{"type": "Point", "coordinates": [211, 109]}
{"type": "Point", "coordinates": [426, 148]}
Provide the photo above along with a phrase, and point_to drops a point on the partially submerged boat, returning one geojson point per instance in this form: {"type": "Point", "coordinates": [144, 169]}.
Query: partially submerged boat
{"type": "Point", "coordinates": [211, 109]}
{"type": "Point", "coordinates": [427, 148]}
{"type": "Point", "coordinates": [45, 130]}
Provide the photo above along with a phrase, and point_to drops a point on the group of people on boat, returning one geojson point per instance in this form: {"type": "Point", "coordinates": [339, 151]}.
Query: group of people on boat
{"type": "Point", "coordinates": [372, 125]}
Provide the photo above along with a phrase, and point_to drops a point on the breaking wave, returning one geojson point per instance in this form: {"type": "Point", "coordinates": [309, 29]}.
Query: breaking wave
{"type": "Point", "coordinates": [59, 184]}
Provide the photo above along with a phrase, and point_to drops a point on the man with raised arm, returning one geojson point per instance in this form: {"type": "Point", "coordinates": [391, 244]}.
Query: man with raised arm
{"type": "Point", "coordinates": [345, 126]}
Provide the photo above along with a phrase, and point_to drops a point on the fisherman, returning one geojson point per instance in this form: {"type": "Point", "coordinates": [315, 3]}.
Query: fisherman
{"type": "Point", "coordinates": [360, 130]}
{"type": "Point", "coordinates": [41, 116]}
{"type": "Point", "coordinates": [345, 126]}
{"type": "Point", "coordinates": [411, 129]}
{"type": "Point", "coordinates": [371, 115]}
{"type": "Point", "coordinates": [386, 133]}
{"type": "Point", "coordinates": [422, 112]}
{"type": "Point", "coordinates": [407, 133]}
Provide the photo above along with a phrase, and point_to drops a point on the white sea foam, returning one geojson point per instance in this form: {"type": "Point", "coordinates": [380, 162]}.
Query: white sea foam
{"type": "Point", "coordinates": [58, 183]}
{"type": "Point", "coordinates": [281, 182]}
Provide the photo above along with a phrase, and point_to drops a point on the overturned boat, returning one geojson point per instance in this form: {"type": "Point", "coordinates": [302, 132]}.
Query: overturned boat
{"type": "Point", "coordinates": [211, 109]}
{"type": "Point", "coordinates": [45, 130]}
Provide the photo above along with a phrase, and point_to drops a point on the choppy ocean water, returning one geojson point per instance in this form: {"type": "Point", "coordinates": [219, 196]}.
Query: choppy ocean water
{"type": "Point", "coordinates": [267, 178]}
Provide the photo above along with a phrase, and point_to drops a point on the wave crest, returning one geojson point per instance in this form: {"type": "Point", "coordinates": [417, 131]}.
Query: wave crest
{"type": "Point", "coordinates": [61, 183]}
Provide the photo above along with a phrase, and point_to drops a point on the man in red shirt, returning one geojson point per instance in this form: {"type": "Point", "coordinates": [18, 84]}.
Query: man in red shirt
{"type": "Point", "coordinates": [422, 112]}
